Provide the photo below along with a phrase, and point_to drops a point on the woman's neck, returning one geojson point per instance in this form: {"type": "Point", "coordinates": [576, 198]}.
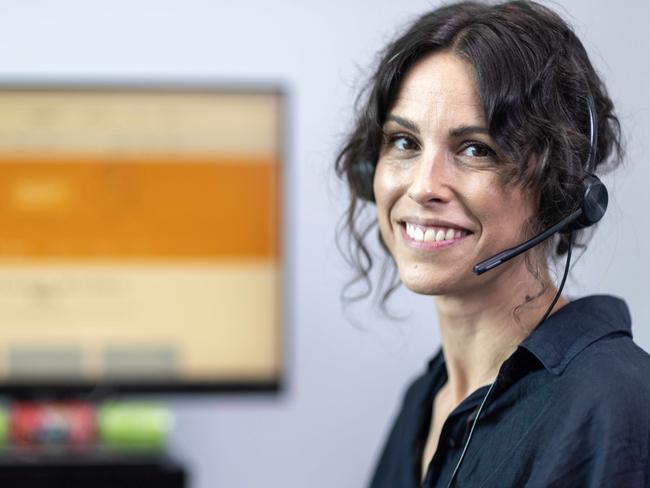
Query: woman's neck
{"type": "Point", "coordinates": [480, 330]}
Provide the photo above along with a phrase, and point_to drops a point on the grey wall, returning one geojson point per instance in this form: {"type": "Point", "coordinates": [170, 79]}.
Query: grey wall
{"type": "Point", "coordinates": [344, 381]}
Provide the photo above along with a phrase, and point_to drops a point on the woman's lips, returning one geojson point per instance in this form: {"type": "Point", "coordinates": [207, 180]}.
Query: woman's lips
{"type": "Point", "coordinates": [432, 236]}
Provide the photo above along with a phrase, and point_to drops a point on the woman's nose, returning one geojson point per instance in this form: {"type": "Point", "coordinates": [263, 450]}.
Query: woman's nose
{"type": "Point", "coordinates": [429, 181]}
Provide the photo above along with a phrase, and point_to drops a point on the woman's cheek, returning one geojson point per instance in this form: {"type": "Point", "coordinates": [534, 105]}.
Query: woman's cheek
{"type": "Point", "coordinates": [390, 182]}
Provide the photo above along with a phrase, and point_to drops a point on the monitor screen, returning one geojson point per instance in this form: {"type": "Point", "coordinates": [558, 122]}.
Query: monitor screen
{"type": "Point", "coordinates": [140, 238]}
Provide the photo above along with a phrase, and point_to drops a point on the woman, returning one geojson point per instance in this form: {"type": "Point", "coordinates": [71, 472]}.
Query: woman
{"type": "Point", "coordinates": [481, 128]}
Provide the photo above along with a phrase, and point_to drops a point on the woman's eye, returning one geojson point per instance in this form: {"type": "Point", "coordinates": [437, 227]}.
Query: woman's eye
{"type": "Point", "coordinates": [403, 143]}
{"type": "Point", "coordinates": [477, 150]}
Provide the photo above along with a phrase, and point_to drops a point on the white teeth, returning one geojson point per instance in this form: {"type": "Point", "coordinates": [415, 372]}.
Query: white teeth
{"type": "Point", "coordinates": [410, 230]}
{"type": "Point", "coordinates": [431, 234]}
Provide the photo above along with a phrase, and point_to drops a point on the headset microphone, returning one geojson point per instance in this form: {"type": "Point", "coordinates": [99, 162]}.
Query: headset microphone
{"type": "Point", "coordinates": [591, 210]}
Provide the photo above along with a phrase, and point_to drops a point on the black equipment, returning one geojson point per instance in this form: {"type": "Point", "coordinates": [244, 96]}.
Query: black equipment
{"type": "Point", "coordinates": [591, 210]}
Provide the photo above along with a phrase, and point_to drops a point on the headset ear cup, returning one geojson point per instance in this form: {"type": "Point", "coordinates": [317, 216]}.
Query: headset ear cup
{"type": "Point", "coordinates": [596, 200]}
{"type": "Point", "coordinates": [361, 175]}
{"type": "Point", "coordinates": [594, 203]}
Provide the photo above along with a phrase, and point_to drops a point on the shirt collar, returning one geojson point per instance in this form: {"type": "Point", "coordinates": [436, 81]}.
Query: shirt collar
{"type": "Point", "coordinates": [567, 332]}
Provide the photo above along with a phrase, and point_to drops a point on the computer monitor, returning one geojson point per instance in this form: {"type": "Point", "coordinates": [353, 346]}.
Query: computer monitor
{"type": "Point", "coordinates": [140, 229]}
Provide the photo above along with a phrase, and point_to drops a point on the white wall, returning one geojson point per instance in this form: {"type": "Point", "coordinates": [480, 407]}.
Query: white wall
{"type": "Point", "coordinates": [344, 382]}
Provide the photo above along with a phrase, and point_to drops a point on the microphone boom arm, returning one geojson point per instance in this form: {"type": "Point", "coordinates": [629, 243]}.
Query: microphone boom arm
{"type": "Point", "coordinates": [508, 254]}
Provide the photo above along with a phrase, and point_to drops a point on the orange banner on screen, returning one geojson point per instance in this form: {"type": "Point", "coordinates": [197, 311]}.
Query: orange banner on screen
{"type": "Point", "coordinates": [145, 207]}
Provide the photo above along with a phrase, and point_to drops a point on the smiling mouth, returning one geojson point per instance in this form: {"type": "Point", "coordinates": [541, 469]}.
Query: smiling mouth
{"type": "Point", "coordinates": [421, 233]}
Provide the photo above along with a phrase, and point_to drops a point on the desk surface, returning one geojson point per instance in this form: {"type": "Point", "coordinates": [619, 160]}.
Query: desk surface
{"type": "Point", "coordinates": [99, 469]}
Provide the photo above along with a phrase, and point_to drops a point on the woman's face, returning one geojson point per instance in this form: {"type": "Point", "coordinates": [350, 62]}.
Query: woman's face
{"type": "Point", "coordinates": [442, 207]}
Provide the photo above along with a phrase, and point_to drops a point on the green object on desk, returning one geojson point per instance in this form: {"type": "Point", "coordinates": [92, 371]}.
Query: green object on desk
{"type": "Point", "coordinates": [134, 426]}
{"type": "Point", "coordinates": [4, 426]}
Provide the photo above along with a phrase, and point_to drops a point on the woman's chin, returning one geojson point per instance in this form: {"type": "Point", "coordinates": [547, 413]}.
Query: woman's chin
{"type": "Point", "coordinates": [426, 285]}
{"type": "Point", "coordinates": [434, 279]}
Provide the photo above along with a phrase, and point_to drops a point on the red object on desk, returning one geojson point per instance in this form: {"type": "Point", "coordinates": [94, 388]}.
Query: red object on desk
{"type": "Point", "coordinates": [69, 424]}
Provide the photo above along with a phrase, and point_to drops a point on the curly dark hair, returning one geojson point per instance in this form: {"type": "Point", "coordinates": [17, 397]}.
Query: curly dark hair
{"type": "Point", "coordinates": [534, 78]}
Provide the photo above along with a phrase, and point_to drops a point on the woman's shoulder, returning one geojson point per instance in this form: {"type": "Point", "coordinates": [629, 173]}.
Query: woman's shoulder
{"type": "Point", "coordinates": [607, 353]}
{"type": "Point", "coordinates": [613, 369]}
{"type": "Point", "coordinates": [589, 350]}
{"type": "Point", "coordinates": [607, 387]}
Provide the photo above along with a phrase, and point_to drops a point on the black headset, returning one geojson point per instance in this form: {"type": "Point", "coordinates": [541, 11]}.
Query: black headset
{"type": "Point", "coordinates": [591, 210]}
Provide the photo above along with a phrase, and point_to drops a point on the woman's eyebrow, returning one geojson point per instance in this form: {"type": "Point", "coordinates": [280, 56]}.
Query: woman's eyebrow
{"type": "Point", "coordinates": [466, 130]}
{"type": "Point", "coordinates": [406, 123]}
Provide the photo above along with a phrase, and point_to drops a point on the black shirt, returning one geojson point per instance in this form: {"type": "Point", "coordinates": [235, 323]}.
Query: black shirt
{"type": "Point", "coordinates": [570, 407]}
